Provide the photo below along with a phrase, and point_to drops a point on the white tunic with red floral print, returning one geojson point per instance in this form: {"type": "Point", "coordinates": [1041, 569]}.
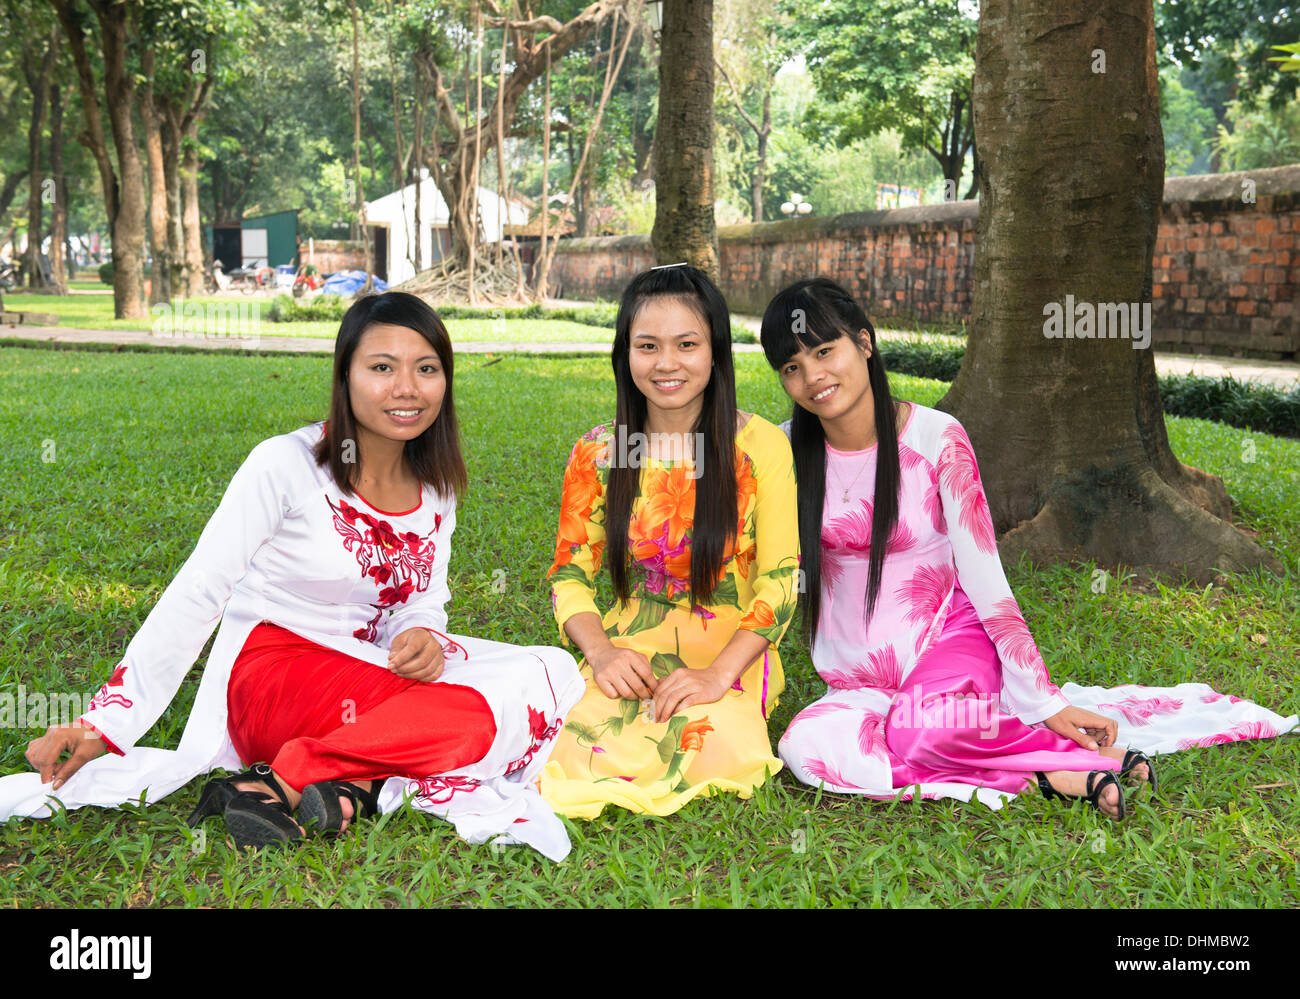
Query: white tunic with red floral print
{"type": "Point", "coordinates": [944, 537]}
{"type": "Point", "coordinates": [286, 546]}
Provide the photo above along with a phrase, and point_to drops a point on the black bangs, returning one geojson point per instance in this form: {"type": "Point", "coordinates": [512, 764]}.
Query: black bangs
{"type": "Point", "coordinates": [796, 318]}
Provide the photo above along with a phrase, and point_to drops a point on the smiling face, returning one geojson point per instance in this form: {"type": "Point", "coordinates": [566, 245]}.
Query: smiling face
{"type": "Point", "coordinates": [831, 380]}
{"type": "Point", "coordinates": [671, 362]}
{"type": "Point", "coordinates": [395, 383]}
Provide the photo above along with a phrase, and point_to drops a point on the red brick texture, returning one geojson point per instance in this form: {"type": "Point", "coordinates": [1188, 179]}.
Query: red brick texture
{"type": "Point", "coordinates": [1225, 266]}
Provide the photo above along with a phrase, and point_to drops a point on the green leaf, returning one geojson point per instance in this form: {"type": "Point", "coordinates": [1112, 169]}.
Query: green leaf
{"type": "Point", "coordinates": [586, 736]}
{"type": "Point", "coordinates": [630, 710]}
{"type": "Point", "coordinates": [651, 614]}
{"type": "Point", "coordinates": [570, 571]}
{"type": "Point", "coordinates": [614, 723]}
{"type": "Point", "coordinates": [664, 663]}
{"type": "Point", "coordinates": [683, 786]}
{"type": "Point", "coordinates": [669, 744]}
{"type": "Point", "coordinates": [726, 593]}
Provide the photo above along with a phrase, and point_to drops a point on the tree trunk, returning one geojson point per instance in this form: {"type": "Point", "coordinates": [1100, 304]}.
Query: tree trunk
{"type": "Point", "coordinates": [128, 226]}
{"type": "Point", "coordinates": [171, 148]}
{"type": "Point", "coordinates": [38, 81]}
{"type": "Point", "coordinates": [160, 286]}
{"type": "Point", "coordinates": [360, 202]}
{"type": "Point", "coordinates": [59, 210]}
{"type": "Point", "coordinates": [1069, 430]}
{"type": "Point", "coordinates": [190, 217]}
{"type": "Point", "coordinates": [93, 136]}
{"type": "Point", "coordinates": [9, 189]}
{"type": "Point", "coordinates": [418, 156]}
{"type": "Point", "coordinates": [684, 227]}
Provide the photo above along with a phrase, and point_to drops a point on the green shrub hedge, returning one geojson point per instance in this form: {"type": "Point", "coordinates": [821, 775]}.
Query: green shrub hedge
{"type": "Point", "coordinates": [322, 308]}
{"type": "Point", "coordinates": [1248, 405]}
{"type": "Point", "coordinates": [1238, 404]}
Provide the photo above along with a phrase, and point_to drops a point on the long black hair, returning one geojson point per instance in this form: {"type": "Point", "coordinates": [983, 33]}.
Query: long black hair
{"type": "Point", "coordinates": [715, 490]}
{"type": "Point", "coordinates": [434, 457]}
{"type": "Point", "coordinates": [806, 314]}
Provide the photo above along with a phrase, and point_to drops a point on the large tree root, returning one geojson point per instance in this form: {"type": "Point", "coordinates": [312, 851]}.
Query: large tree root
{"type": "Point", "coordinates": [1125, 516]}
{"type": "Point", "coordinates": [447, 281]}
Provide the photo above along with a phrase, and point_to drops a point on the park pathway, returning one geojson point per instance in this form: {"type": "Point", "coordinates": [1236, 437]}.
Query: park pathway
{"type": "Point", "coordinates": [1281, 374]}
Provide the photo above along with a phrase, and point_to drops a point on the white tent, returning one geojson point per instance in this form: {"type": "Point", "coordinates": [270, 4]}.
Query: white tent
{"type": "Point", "coordinates": [394, 216]}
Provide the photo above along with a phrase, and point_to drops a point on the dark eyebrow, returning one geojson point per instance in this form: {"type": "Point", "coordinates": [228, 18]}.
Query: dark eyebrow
{"type": "Point", "coordinates": [426, 357]}
{"type": "Point", "coordinates": [677, 336]}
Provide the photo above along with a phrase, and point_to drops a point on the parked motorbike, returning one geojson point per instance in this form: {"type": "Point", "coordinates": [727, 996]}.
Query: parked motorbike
{"type": "Point", "coordinates": [306, 281]}
{"type": "Point", "coordinates": [250, 280]}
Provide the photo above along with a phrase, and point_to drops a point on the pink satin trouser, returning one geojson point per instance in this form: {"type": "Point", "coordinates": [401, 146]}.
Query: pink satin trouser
{"type": "Point", "coordinates": [944, 725]}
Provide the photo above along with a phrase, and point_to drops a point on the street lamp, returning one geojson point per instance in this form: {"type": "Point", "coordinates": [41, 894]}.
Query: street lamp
{"type": "Point", "coordinates": [795, 206]}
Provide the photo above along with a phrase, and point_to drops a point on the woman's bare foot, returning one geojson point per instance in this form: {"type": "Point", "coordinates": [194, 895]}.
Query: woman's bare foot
{"type": "Point", "coordinates": [261, 786]}
{"type": "Point", "coordinates": [1141, 772]}
{"type": "Point", "coordinates": [345, 804]}
{"type": "Point", "coordinates": [329, 819]}
{"type": "Point", "coordinates": [1075, 783]}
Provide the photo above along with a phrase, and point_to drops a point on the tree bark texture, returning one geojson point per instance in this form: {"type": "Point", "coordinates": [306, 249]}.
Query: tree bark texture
{"type": "Point", "coordinates": [58, 210]}
{"type": "Point", "coordinates": [684, 226]}
{"type": "Point", "coordinates": [36, 67]}
{"type": "Point", "coordinates": [1070, 431]}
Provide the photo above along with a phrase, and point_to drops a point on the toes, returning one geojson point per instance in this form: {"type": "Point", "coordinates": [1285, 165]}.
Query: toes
{"type": "Point", "coordinates": [1110, 802]}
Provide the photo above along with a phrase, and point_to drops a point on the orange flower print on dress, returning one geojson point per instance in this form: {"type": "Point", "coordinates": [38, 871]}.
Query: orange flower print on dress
{"type": "Point", "coordinates": [760, 616]}
{"type": "Point", "coordinates": [581, 490]}
{"type": "Point", "coordinates": [744, 559]}
{"type": "Point", "coordinates": [670, 500]}
{"type": "Point", "coordinates": [693, 734]}
{"type": "Point", "coordinates": [746, 486]}
{"type": "Point", "coordinates": [667, 563]}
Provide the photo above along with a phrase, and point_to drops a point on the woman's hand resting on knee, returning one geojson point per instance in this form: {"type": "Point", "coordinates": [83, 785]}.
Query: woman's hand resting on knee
{"type": "Point", "coordinates": [80, 742]}
{"type": "Point", "coordinates": [1089, 729]}
{"type": "Point", "coordinates": [620, 672]}
{"type": "Point", "coordinates": [416, 655]}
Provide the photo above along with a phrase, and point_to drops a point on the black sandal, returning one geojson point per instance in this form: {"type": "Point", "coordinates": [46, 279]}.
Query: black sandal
{"type": "Point", "coordinates": [1132, 759]}
{"type": "Point", "coordinates": [255, 818]}
{"type": "Point", "coordinates": [320, 809]}
{"type": "Point", "coordinates": [1094, 791]}
{"type": "Point", "coordinates": [218, 793]}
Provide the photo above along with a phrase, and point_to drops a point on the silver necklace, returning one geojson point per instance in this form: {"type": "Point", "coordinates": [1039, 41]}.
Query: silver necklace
{"type": "Point", "coordinates": [861, 469]}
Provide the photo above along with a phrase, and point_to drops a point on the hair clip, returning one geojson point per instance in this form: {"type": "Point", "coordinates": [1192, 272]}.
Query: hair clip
{"type": "Point", "coordinates": [660, 267]}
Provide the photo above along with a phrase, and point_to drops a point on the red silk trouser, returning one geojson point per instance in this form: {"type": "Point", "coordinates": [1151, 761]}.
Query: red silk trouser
{"type": "Point", "coordinates": [316, 714]}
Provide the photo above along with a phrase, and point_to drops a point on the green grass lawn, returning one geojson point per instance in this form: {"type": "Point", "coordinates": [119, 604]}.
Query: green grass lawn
{"type": "Point", "coordinates": [95, 311]}
{"type": "Point", "coordinates": [144, 444]}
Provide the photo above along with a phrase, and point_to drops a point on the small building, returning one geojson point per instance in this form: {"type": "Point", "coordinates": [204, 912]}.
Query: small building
{"type": "Point", "coordinates": [270, 240]}
{"type": "Point", "coordinates": [391, 220]}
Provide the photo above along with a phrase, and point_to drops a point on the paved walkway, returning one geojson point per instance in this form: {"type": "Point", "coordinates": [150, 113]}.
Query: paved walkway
{"type": "Point", "coordinates": [1281, 374]}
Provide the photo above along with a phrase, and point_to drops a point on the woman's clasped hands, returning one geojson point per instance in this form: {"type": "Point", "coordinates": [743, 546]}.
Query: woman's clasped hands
{"type": "Point", "coordinates": [626, 673]}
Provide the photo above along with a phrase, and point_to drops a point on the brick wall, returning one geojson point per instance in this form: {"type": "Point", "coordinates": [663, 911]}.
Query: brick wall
{"type": "Point", "coordinates": [1225, 267]}
{"type": "Point", "coordinates": [332, 255]}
